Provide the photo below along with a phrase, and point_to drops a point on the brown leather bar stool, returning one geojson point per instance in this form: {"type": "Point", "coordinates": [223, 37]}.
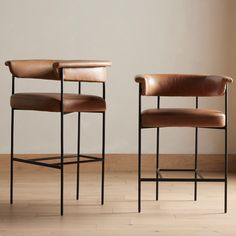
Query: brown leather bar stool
{"type": "Point", "coordinates": [63, 103]}
{"type": "Point", "coordinates": [186, 86]}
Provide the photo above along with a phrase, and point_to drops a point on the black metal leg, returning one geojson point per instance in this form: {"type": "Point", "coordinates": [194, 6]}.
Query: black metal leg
{"type": "Point", "coordinates": [226, 170]}
{"type": "Point", "coordinates": [78, 159]}
{"type": "Point", "coordinates": [62, 161]}
{"type": "Point", "coordinates": [157, 164]}
{"type": "Point", "coordinates": [103, 157]}
{"type": "Point", "coordinates": [226, 150]}
{"type": "Point", "coordinates": [139, 147]}
{"type": "Point", "coordinates": [62, 145]}
{"type": "Point", "coordinates": [139, 170]}
{"type": "Point", "coordinates": [12, 153]}
{"type": "Point", "coordinates": [196, 164]}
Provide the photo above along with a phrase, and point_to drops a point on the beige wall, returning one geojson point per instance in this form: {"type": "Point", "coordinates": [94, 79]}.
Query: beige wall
{"type": "Point", "coordinates": [139, 36]}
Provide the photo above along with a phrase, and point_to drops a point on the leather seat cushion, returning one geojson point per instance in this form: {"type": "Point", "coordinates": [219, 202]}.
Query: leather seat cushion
{"type": "Point", "coordinates": [52, 102]}
{"type": "Point", "coordinates": [178, 117]}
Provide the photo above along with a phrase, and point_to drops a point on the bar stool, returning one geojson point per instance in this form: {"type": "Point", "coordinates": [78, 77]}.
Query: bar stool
{"type": "Point", "coordinates": [77, 71]}
{"type": "Point", "coordinates": [187, 86]}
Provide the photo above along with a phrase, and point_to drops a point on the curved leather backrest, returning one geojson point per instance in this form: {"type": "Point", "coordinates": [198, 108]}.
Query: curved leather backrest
{"type": "Point", "coordinates": [182, 85]}
{"type": "Point", "coordinates": [37, 69]}
{"type": "Point", "coordinates": [77, 70]}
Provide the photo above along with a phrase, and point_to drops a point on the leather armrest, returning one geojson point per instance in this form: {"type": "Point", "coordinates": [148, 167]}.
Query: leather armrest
{"type": "Point", "coordinates": [81, 64]}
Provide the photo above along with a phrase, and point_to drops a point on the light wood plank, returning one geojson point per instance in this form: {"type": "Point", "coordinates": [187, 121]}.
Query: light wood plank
{"type": "Point", "coordinates": [35, 211]}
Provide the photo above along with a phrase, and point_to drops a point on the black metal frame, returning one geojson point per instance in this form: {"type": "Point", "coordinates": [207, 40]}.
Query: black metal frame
{"type": "Point", "coordinates": [197, 175]}
{"type": "Point", "coordinates": [47, 161]}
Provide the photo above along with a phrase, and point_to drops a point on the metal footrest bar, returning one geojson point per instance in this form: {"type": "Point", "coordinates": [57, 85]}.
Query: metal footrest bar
{"type": "Point", "coordinates": [51, 158]}
{"type": "Point", "coordinates": [91, 157]}
{"type": "Point", "coordinates": [181, 180]}
{"type": "Point", "coordinates": [65, 156]}
{"type": "Point", "coordinates": [176, 170]}
{"type": "Point", "coordinates": [38, 161]}
{"type": "Point", "coordinates": [75, 162]}
{"type": "Point", "coordinates": [181, 170]}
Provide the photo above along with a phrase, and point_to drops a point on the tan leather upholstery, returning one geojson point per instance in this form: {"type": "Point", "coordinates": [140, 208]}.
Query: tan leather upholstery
{"type": "Point", "coordinates": [174, 117]}
{"type": "Point", "coordinates": [78, 70]}
{"type": "Point", "coordinates": [52, 101]}
{"type": "Point", "coordinates": [81, 64]}
{"type": "Point", "coordinates": [182, 85]}
{"type": "Point", "coordinates": [92, 74]}
{"type": "Point", "coordinates": [39, 69]}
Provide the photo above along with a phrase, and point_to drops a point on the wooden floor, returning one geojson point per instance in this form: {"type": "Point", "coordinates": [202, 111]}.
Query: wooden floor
{"type": "Point", "coordinates": [36, 207]}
